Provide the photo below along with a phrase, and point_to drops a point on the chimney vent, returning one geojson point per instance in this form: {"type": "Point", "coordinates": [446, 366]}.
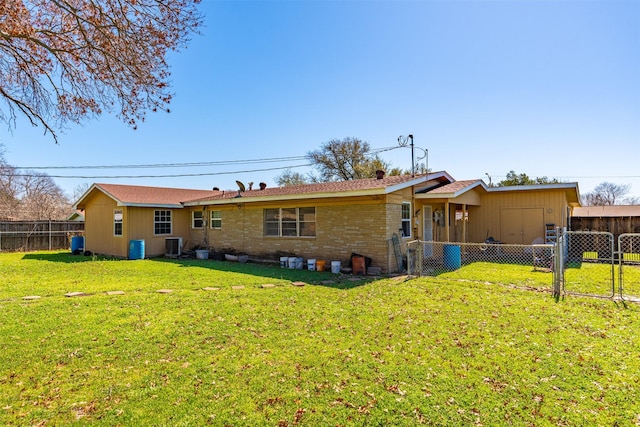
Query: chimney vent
{"type": "Point", "coordinates": [263, 185]}
{"type": "Point", "coordinates": [379, 174]}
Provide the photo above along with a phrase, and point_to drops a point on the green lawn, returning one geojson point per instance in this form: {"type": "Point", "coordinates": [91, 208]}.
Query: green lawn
{"type": "Point", "coordinates": [438, 351]}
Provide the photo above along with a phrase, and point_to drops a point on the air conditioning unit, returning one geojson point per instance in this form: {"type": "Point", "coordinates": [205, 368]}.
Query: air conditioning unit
{"type": "Point", "coordinates": [173, 246]}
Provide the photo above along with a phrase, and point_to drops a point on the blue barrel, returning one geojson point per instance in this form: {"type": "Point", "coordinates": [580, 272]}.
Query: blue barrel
{"type": "Point", "coordinates": [77, 243]}
{"type": "Point", "coordinates": [451, 255]}
{"type": "Point", "coordinates": [136, 249]}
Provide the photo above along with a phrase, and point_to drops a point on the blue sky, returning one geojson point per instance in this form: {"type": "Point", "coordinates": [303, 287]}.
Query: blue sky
{"type": "Point", "coordinates": [546, 88]}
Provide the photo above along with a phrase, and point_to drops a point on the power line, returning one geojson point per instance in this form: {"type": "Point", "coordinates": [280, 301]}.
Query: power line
{"type": "Point", "coordinates": [167, 165]}
{"type": "Point", "coordinates": [163, 176]}
{"type": "Point", "coordinates": [191, 164]}
{"type": "Point", "coordinates": [175, 165]}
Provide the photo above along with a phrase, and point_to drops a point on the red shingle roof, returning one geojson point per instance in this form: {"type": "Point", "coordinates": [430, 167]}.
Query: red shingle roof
{"type": "Point", "coordinates": [454, 187]}
{"type": "Point", "coordinates": [140, 195]}
{"type": "Point", "coordinates": [132, 195]}
{"type": "Point", "coordinates": [319, 188]}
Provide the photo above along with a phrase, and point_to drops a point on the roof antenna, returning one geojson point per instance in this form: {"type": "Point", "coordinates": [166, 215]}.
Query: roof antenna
{"type": "Point", "coordinates": [241, 188]}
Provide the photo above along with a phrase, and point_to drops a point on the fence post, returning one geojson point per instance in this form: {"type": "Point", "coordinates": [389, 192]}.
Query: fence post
{"type": "Point", "coordinates": [558, 264]}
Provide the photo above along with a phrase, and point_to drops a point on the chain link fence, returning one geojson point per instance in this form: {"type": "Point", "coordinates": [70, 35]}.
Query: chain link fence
{"type": "Point", "coordinates": [629, 266]}
{"type": "Point", "coordinates": [589, 263]}
{"type": "Point", "coordinates": [579, 263]}
{"type": "Point", "coordinates": [428, 258]}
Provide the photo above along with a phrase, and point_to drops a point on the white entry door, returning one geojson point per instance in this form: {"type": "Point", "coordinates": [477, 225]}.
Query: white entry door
{"type": "Point", "coordinates": [427, 230]}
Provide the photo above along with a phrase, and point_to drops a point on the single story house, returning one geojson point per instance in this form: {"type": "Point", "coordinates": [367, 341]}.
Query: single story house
{"type": "Point", "coordinates": [324, 220]}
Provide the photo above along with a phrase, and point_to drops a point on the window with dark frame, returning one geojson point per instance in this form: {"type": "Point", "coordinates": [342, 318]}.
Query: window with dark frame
{"type": "Point", "coordinates": [162, 222]}
{"type": "Point", "coordinates": [117, 222]}
{"type": "Point", "coordinates": [406, 219]}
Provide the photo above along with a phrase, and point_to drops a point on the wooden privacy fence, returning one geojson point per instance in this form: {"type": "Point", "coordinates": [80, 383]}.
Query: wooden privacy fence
{"type": "Point", "coordinates": [614, 225]}
{"type": "Point", "coordinates": [38, 235]}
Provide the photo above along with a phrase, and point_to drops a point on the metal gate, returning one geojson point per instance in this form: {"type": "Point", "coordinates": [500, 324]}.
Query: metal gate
{"type": "Point", "coordinates": [589, 263]}
{"type": "Point", "coordinates": [582, 262]}
{"type": "Point", "coordinates": [629, 270]}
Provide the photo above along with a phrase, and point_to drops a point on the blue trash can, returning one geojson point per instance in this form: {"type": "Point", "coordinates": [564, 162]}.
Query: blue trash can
{"type": "Point", "coordinates": [451, 256]}
{"type": "Point", "coordinates": [77, 243]}
{"type": "Point", "coordinates": [136, 249]}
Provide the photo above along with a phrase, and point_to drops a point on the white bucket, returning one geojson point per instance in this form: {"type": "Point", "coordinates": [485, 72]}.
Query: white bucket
{"type": "Point", "coordinates": [311, 264]}
{"type": "Point", "coordinates": [202, 254]}
{"type": "Point", "coordinates": [299, 262]}
{"type": "Point", "coordinates": [292, 262]}
{"type": "Point", "coordinates": [284, 261]}
{"type": "Point", "coordinates": [335, 267]}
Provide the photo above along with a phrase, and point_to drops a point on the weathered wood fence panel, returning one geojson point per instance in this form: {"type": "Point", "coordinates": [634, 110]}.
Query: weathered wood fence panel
{"type": "Point", "coordinates": [613, 225]}
{"type": "Point", "coordinates": [38, 235]}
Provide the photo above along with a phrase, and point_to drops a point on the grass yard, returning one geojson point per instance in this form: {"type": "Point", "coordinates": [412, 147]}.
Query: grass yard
{"type": "Point", "coordinates": [435, 351]}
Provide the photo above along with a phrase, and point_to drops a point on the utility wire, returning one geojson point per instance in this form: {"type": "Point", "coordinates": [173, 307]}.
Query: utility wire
{"type": "Point", "coordinates": [167, 165]}
{"type": "Point", "coordinates": [175, 165]}
{"type": "Point", "coordinates": [192, 164]}
{"type": "Point", "coordinates": [166, 176]}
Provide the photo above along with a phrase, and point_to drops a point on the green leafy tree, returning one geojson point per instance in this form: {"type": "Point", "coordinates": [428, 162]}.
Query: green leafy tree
{"type": "Point", "coordinates": [523, 179]}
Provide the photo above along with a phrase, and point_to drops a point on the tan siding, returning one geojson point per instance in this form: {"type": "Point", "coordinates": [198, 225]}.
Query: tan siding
{"type": "Point", "coordinates": [99, 226]}
{"type": "Point", "coordinates": [141, 227]}
{"type": "Point", "coordinates": [137, 225]}
{"type": "Point", "coordinates": [486, 219]}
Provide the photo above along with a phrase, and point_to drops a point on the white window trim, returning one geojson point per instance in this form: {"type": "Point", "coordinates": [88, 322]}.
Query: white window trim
{"type": "Point", "coordinates": [193, 220]}
{"type": "Point", "coordinates": [298, 222]}
{"type": "Point", "coordinates": [121, 222]}
{"type": "Point", "coordinates": [217, 219]}
{"type": "Point", "coordinates": [170, 222]}
{"type": "Point", "coordinates": [402, 220]}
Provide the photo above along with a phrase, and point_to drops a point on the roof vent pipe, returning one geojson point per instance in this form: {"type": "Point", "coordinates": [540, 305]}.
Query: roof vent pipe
{"type": "Point", "coordinates": [379, 174]}
{"type": "Point", "coordinates": [263, 185]}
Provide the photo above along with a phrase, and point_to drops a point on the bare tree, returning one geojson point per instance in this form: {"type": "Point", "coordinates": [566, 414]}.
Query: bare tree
{"type": "Point", "coordinates": [80, 190]}
{"type": "Point", "coordinates": [346, 159]}
{"type": "Point", "coordinates": [8, 195]}
{"type": "Point", "coordinates": [41, 198]}
{"type": "Point", "coordinates": [289, 177]}
{"type": "Point", "coordinates": [608, 194]}
{"type": "Point", "coordinates": [65, 60]}
{"type": "Point", "coordinates": [28, 195]}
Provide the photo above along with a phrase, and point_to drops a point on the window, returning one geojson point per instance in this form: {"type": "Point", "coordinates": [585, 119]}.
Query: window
{"type": "Point", "coordinates": [307, 221]}
{"type": "Point", "coordinates": [290, 222]}
{"type": "Point", "coordinates": [162, 222]}
{"type": "Point", "coordinates": [117, 222]}
{"type": "Point", "coordinates": [197, 219]}
{"type": "Point", "coordinates": [272, 222]}
{"type": "Point", "coordinates": [406, 219]}
{"type": "Point", "coordinates": [216, 219]}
